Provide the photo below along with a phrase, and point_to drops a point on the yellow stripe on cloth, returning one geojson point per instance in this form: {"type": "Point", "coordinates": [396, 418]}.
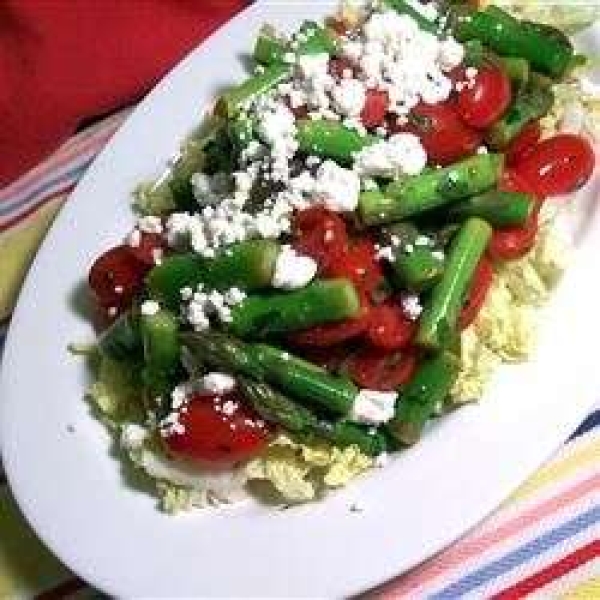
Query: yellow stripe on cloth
{"type": "Point", "coordinates": [585, 454]}
{"type": "Point", "coordinates": [584, 591]}
{"type": "Point", "coordinates": [26, 567]}
{"type": "Point", "coordinates": [17, 249]}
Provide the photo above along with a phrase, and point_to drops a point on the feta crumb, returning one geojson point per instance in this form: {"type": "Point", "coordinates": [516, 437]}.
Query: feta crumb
{"type": "Point", "coordinates": [386, 253]}
{"type": "Point", "coordinates": [451, 54]}
{"type": "Point", "coordinates": [218, 383]}
{"type": "Point", "coordinates": [349, 97]}
{"type": "Point", "coordinates": [133, 437]}
{"type": "Point", "coordinates": [401, 154]}
{"type": "Point", "coordinates": [134, 239]}
{"type": "Point", "coordinates": [371, 407]}
{"type": "Point", "coordinates": [411, 306]}
{"type": "Point", "coordinates": [150, 224]}
{"type": "Point", "coordinates": [382, 460]}
{"type": "Point", "coordinates": [229, 408]}
{"type": "Point", "coordinates": [423, 240]}
{"type": "Point", "coordinates": [293, 271]}
{"type": "Point", "coordinates": [338, 188]}
{"type": "Point", "coordinates": [150, 308]}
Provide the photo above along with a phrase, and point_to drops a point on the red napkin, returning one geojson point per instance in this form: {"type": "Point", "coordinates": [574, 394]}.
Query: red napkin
{"type": "Point", "coordinates": [65, 61]}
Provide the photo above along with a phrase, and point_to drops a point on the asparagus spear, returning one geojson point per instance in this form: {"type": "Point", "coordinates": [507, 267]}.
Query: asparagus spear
{"type": "Point", "coordinates": [500, 209]}
{"type": "Point", "coordinates": [248, 265]}
{"type": "Point", "coordinates": [121, 340]}
{"type": "Point", "coordinates": [414, 195]}
{"type": "Point", "coordinates": [416, 267]}
{"type": "Point", "coordinates": [293, 375]}
{"type": "Point", "coordinates": [311, 38]}
{"type": "Point", "coordinates": [318, 303]}
{"type": "Point", "coordinates": [297, 419]}
{"type": "Point", "coordinates": [544, 48]}
{"type": "Point", "coordinates": [160, 340]}
{"type": "Point", "coordinates": [529, 105]}
{"type": "Point", "coordinates": [427, 389]}
{"type": "Point", "coordinates": [440, 315]}
{"type": "Point", "coordinates": [331, 139]}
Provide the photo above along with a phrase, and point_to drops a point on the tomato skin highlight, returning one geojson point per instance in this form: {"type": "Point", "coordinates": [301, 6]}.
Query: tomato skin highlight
{"type": "Point", "coordinates": [480, 286]}
{"type": "Point", "coordinates": [523, 144]}
{"type": "Point", "coordinates": [380, 370]}
{"type": "Point", "coordinates": [481, 103]}
{"type": "Point", "coordinates": [443, 134]}
{"type": "Point", "coordinates": [375, 109]}
{"type": "Point", "coordinates": [389, 328]}
{"type": "Point", "coordinates": [359, 264]}
{"type": "Point", "coordinates": [210, 434]}
{"type": "Point", "coordinates": [558, 165]}
{"type": "Point", "coordinates": [320, 234]}
{"type": "Point", "coordinates": [115, 278]}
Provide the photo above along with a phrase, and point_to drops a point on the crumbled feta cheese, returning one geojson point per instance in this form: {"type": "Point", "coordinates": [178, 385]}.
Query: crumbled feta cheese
{"type": "Point", "coordinates": [311, 66]}
{"type": "Point", "coordinates": [277, 122]}
{"type": "Point", "coordinates": [336, 187]}
{"type": "Point", "coordinates": [292, 270]}
{"type": "Point", "coordinates": [206, 304]}
{"type": "Point", "coordinates": [411, 306]}
{"type": "Point", "coordinates": [401, 154]}
{"type": "Point", "coordinates": [439, 254]}
{"type": "Point", "coordinates": [382, 460]}
{"type": "Point", "coordinates": [135, 238]}
{"type": "Point", "coordinates": [349, 97]}
{"type": "Point", "coordinates": [371, 407]}
{"type": "Point", "coordinates": [451, 54]}
{"type": "Point", "coordinates": [150, 308]}
{"type": "Point", "coordinates": [150, 224]}
{"type": "Point", "coordinates": [386, 253]}
{"type": "Point", "coordinates": [218, 383]}
{"type": "Point", "coordinates": [423, 240]}
{"type": "Point", "coordinates": [133, 437]}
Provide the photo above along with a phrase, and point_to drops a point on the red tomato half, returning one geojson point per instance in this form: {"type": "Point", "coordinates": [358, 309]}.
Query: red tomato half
{"type": "Point", "coordinates": [524, 143]}
{"type": "Point", "coordinates": [375, 109]}
{"type": "Point", "coordinates": [559, 165]}
{"type": "Point", "coordinates": [514, 242]}
{"type": "Point", "coordinates": [359, 264]}
{"type": "Point", "coordinates": [218, 429]}
{"type": "Point", "coordinates": [116, 277]}
{"type": "Point", "coordinates": [320, 234]}
{"type": "Point", "coordinates": [481, 104]}
{"type": "Point", "coordinates": [480, 286]}
{"type": "Point", "coordinates": [381, 370]}
{"type": "Point", "coordinates": [442, 132]}
{"type": "Point", "coordinates": [389, 328]}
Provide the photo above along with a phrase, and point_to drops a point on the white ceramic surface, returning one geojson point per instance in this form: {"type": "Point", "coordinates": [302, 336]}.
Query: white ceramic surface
{"type": "Point", "coordinates": [71, 489]}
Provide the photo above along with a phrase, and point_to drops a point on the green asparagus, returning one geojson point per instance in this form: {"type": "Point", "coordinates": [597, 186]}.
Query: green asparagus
{"type": "Point", "coordinates": [248, 265]}
{"type": "Point", "coordinates": [421, 396]}
{"type": "Point", "coordinates": [500, 209]}
{"type": "Point", "coordinates": [293, 375]}
{"type": "Point", "coordinates": [442, 310]}
{"type": "Point", "coordinates": [318, 303]}
{"type": "Point", "coordinates": [414, 195]}
{"type": "Point", "coordinates": [122, 341]}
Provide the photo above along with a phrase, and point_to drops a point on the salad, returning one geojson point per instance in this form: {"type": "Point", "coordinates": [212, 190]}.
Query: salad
{"type": "Point", "coordinates": [359, 234]}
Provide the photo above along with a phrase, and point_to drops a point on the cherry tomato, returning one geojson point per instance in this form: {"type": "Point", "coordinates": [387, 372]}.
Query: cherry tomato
{"type": "Point", "coordinates": [381, 370]}
{"type": "Point", "coordinates": [558, 165]}
{"type": "Point", "coordinates": [217, 429]}
{"type": "Point", "coordinates": [442, 132]}
{"type": "Point", "coordinates": [150, 244]}
{"type": "Point", "coordinates": [320, 234]}
{"type": "Point", "coordinates": [512, 181]}
{"type": "Point", "coordinates": [115, 278]}
{"type": "Point", "coordinates": [483, 102]}
{"type": "Point", "coordinates": [389, 328]}
{"type": "Point", "coordinates": [375, 109]}
{"type": "Point", "coordinates": [524, 143]}
{"type": "Point", "coordinates": [359, 264]}
{"type": "Point", "coordinates": [480, 286]}
{"type": "Point", "coordinates": [330, 357]}
{"type": "Point", "coordinates": [514, 242]}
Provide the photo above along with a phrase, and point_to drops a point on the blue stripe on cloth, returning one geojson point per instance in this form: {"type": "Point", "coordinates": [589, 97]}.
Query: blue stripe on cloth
{"type": "Point", "coordinates": [71, 175]}
{"type": "Point", "coordinates": [521, 555]}
{"type": "Point", "coordinates": [590, 423]}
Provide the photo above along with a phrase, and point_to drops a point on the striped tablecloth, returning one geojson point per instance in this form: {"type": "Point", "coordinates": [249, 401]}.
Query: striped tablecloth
{"type": "Point", "coordinates": [543, 542]}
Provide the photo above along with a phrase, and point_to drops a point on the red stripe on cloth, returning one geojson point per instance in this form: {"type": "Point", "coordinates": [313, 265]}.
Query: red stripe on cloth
{"type": "Point", "coordinates": [64, 589]}
{"type": "Point", "coordinates": [34, 207]}
{"type": "Point", "coordinates": [550, 573]}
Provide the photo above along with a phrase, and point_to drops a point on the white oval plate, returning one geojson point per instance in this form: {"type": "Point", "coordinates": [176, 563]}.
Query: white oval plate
{"type": "Point", "coordinates": [57, 456]}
